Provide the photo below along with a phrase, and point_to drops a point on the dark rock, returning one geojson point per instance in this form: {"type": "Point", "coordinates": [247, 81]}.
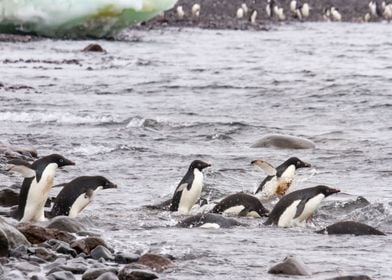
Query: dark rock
{"type": "Point", "coordinates": [350, 227]}
{"type": "Point", "coordinates": [128, 273]}
{"type": "Point", "coordinates": [45, 254]}
{"type": "Point", "coordinates": [66, 224]}
{"type": "Point", "coordinates": [94, 273]}
{"type": "Point", "coordinates": [351, 277]}
{"type": "Point", "coordinates": [108, 276]}
{"type": "Point", "coordinates": [61, 247]}
{"type": "Point", "coordinates": [86, 245]}
{"type": "Point", "coordinates": [8, 198]}
{"type": "Point", "coordinates": [290, 266]}
{"type": "Point", "coordinates": [74, 268]}
{"type": "Point", "coordinates": [19, 251]}
{"type": "Point", "coordinates": [37, 277]}
{"type": "Point", "coordinates": [4, 247]}
{"type": "Point", "coordinates": [284, 142]}
{"type": "Point", "coordinates": [126, 258]}
{"type": "Point", "coordinates": [36, 234]}
{"type": "Point", "coordinates": [155, 262]}
{"type": "Point", "coordinates": [61, 275]}
{"type": "Point", "coordinates": [200, 220]}
{"type": "Point", "coordinates": [93, 48]}
{"type": "Point", "coordinates": [14, 236]}
{"type": "Point", "coordinates": [101, 252]}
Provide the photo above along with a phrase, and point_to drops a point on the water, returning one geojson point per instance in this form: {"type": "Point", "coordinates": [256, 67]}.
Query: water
{"type": "Point", "coordinates": [140, 113]}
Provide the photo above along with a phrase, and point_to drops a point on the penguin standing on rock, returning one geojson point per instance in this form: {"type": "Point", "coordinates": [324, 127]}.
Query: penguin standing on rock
{"type": "Point", "coordinates": [189, 189]}
{"type": "Point", "coordinates": [279, 179]}
{"type": "Point", "coordinates": [77, 194]}
{"type": "Point", "coordinates": [38, 182]}
{"type": "Point", "coordinates": [295, 208]}
{"type": "Point", "coordinates": [241, 204]}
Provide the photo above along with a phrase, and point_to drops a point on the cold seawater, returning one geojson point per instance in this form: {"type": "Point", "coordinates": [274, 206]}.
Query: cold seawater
{"type": "Point", "coordinates": [140, 113]}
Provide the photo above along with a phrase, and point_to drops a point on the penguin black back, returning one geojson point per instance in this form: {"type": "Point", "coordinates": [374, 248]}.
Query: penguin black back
{"type": "Point", "coordinates": [303, 196]}
{"type": "Point", "coordinates": [72, 190]}
{"type": "Point", "coordinates": [249, 202]}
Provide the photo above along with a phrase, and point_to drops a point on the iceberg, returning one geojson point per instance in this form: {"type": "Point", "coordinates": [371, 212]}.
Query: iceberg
{"type": "Point", "coordinates": [76, 18]}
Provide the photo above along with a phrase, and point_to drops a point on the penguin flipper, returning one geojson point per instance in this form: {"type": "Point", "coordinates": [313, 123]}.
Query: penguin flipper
{"type": "Point", "coordinates": [265, 166]}
{"type": "Point", "coordinates": [177, 196]}
{"type": "Point", "coordinates": [244, 212]}
{"type": "Point", "coordinates": [300, 208]}
{"type": "Point", "coordinates": [22, 167]}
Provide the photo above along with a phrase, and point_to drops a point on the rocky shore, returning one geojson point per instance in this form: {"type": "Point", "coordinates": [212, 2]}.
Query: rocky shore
{"type": "Point", "coordinates": [222, 14]}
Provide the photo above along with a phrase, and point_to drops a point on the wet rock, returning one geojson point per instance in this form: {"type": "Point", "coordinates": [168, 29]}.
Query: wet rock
{"type": "Point", "coordinates": [128, 273]}
{"type": "Point", "coordinates": [4, 247]}
{"type": "Point", "coordinates": [101, 252]}
{"type": "Point", "coordinates": [61, 275]}
{"type": "Point", "coordinates": [19, 251]}
{"type": "Point", "coordinates": [8, 198]}
{"type": "Point", "coordinates": [86, 245]}
{"type": "Point", "coordinates": [350, 227]}
{"type": "Point", "coordinates": [126, 258]}
{"type": "Point", "coordinates": [66, 224]}
{"type": "Point", "coordinates": [155, 262]}
{"type": "Point", "coordinates": [38, 277]}
{"type": "Point", "coordinates": [45, 254]}
{"type": "Point", "coordinates": [94, 273]}
{"type": "Point", "coordinates": [61, 247]}
{"type": "Point", "coordinates": [14, 275]}
{"type": "Point", "coordinates": [290, 266]}
{"type": "Point", "coordinates": [283, 142]}
{"type": "Point", "coordinates": [108, 276]}
{"type": "Point", "coordinates": [93, 48]}
{"type": "Point", "coordinates": [208, 220]}
{"type": "Point", "coordinates": [26, 267]}
{"type": "Point", "coordinates": [14, 236]}
{"type": "Point", "coordinates": [351, 277]}
{"type": "Point", "coordinates": [37, 234]}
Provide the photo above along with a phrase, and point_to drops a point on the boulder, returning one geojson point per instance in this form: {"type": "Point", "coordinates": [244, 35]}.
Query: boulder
{"type": "Point", "coordinates": [93, 48]}
{"type": "Point", "coordinates": [86, 245]}
{"type": "Point", "coordinates": [126, 258]}
{"type": "Point", "coordinates": [67, 224]}
{"type": "Point", "coordinates": [350, 227]}
{"type": "Point", "coordinates": [290, 266]}
{"type": "Point", "coordinates": [37, 234]}
{"type": "Point", "coordinates": [15, 237]}
{"type": "Point", "coordinates": [157, 263]}
{"type": "Point", "coordinates": [101, 252]}
{"type": "Point", "coordinates": [283, 142]}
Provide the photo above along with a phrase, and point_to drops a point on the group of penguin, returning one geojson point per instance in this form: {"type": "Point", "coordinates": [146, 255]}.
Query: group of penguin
{"type": "Point", "coordinates": [293, 208]}
{"type": "Point", "coordinates": [298, 10]}
{"type": "Point", "coordinates": [37, 183]}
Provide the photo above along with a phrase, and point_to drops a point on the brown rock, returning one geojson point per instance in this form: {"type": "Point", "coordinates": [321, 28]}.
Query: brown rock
{"type": "Point", "coordinates": [157, 263]}
{"type": "Point", "coordinates": [93, 48]}
{"type": "Point", "coordinates": [36, 234]}
{"type": "Point", "coordinates": [86, 245]}
{"type": "Point", "coordinates": [8, 198]}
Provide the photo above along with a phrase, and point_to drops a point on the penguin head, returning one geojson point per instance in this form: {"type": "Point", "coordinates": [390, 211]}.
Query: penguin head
{"type": "Point", "coordinates": [297, 163]}
{"type": "Point", "coordinates": [327, 191]}
{"type": "Point", "coordinates": [104, 183]}
{"type": "Point", "coordinates": [198, 164]}
{"type": "Point", "coordinates": [59, 160]}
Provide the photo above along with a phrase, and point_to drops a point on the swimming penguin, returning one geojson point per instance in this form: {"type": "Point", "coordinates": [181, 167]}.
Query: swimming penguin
{"type": "Point", "coordinates": [253, 16]}
{"type": "Point", "coordinates": [278, 180]}
{"type": "Point", "coordinates": [241, 204]}
{"type": "Point", "coordinates": [22, 167]}
{"type": "Point", "coordinates": [196, 10]}
{"type": "Point", "coordinates": [279, 13]}
{"type": "Point", "coordinates": [36, 186]}
{"type": "Point", "coordinates": [295, 208]}
{"type": "Point", "coordinates": [208, 220]}
{"type": "Point", "coordinates": [350, 227]}
{"type": "Point", "coordinates": [335, 14]}
{"type": "Point", "coordinates": [77, 194]}
{"type": "Point", "coordinates": [293, 8]}
{"type": "Point", "coordinates": [189, 189]}
{"type": "Point", "coordinates": [305, 10]}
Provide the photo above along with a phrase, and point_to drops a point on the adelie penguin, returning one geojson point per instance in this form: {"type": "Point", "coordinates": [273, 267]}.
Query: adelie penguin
{"type": "Point", "coordinates": [241, 204]}
{"type": "Point", "coordinates": [38, 182]}
{"type": "Point", "coordinates": [189, 189]}
{"type": "Point", "coordinates": [295, 208]}
{"type": "Point", "coordinates": [279, 179]}
{"type": "Point", "coordinates": [77, 194]}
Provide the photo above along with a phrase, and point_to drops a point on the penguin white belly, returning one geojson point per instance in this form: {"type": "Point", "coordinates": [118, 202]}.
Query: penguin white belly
{"type": "Point", "coordinates": [235, 210]}
{"type": "Point", "coordinates": [190, 197]}
{"type": "Point", "coordinates": [285, 180]}
{"type": "Point", "coordinates": [81, 202]}
{"type": "Point", "coordinates": [310, 207]}
{"type": "Point", "coordinates": [38, 194]}
{"type": "Point", "coordinates": [210, 226]}
{"type": "Point", "coordinates": [269, 189]}
{"type": "Point", "coordinates": [287, 217]}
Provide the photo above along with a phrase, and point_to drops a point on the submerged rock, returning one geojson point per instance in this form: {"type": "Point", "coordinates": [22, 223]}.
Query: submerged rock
{"type": "Point", "coordinates": [129, 273]}
{"type": "Point", "coordinates": [67, 224]}
{"type": "Point", "coordinates": [351, 277]}
{"type": "Point", "coordinates": [101, 252]}
{"type": "Point", "coordinates": [93, 48]}
{"type": "Point", "coordinates": [350, 227]}
{"type": "Point", "coordinates": [157, 263]}
{"type": "Point", "coordinates": [37, 234]}
{"type": "Point", "coordinates": [290, 266]}
{"type": "Point", "coordinates": [283, 142]}
{"type": "Point", "coordinates": [208, 220]}
{"type": "Point", "coordinates": [8, 198]}
{"type": "Point", "coordinates": [126, 258]}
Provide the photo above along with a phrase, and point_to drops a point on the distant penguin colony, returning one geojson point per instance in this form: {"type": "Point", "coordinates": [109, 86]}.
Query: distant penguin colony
{"type": "Point", "coordinates": [298, 9]}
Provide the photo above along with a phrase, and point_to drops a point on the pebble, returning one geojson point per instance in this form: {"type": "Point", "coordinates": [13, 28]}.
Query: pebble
{"type": "Point", "coordinates": [126, 258]}
{"type": "Point", "coordinates": [101, 252]}
{"type": "Point", "coordinates": [92, 274]}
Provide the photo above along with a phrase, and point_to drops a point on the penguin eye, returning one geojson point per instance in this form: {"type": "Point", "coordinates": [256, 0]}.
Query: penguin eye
{"type": "Point", "coordinates": [61, 160]}
{"type": "Point", "coordinates": [298, 163]}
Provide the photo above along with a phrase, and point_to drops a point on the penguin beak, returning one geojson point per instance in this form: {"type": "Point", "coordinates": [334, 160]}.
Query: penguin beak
{"type": "Point", "coordinates": [110, 186]}
{"type": "Point", "coordinates": [305, 164]}
{"type": "Point", "coordinates": [332, 191]}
